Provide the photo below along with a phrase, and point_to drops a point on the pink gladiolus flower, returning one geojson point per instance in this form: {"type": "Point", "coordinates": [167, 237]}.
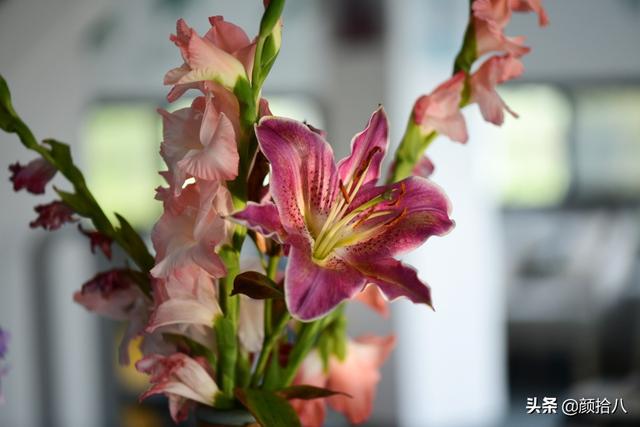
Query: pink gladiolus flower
{"type": "Point", "coordinates": [182, 379]}
{"type": "Point", "coordinates": [357, 375]}
{"type": "Point", "coordinates": [342, 229]}
{"type": "Point", "coordinates": [311, 372]}
{"type": "Point", "coordinates": [373, 298]}
{"type": "Point", "coordinates": [531, 6]}
{"type": "Point", "coordinates": [440, 111]}
{"type": "Point", "coordinates": [111, 293]}
{"type": "Point", "coordinates": [190, 228]}
{"type": "Point", "coordinates": [494, 71]}
{"type": "Point", "coordinates": [199, 142]}
{"type": "Point", "coordinates": [188, 298]}
{"type": "Point", "coordinates": [52, 216]}
{"type": "Point", "coordinates": [114, 294]}
{"type": "Point", "coordinates": [490, 19]}
{"type": "Point", "coordinates": [98, 240]}
{"type": "Point", "coordinates": [34, 176]}
{"type": "Point", "coordinates": [251, 323]}
{"type": "Point", "coordinates": [222, 56]}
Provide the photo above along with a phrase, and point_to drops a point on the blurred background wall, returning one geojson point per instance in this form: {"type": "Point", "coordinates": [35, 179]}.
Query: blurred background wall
{"type": "Point", "coordinates": [536, 289]}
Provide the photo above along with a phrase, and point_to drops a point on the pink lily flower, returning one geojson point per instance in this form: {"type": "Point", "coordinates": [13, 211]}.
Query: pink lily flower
{"type": "Point", "coordinates": [190, 228]}
{"type": "Point", "coordinates": [34, 176]}
{"type": "Point", "coordinates": [357, 375]}
{"type": "Point", "coordinates": [440, 110]}
{"type": "Point", "coordinates": [494, 71]}
{"type": "Point", "coordinates": [199, 142]}
{"type": "Point", "coordinates": [343, 231]}
{"type": "Point", "coordinates": [222, 56]}
{"type": "Point", "coordinates": [182, 379]}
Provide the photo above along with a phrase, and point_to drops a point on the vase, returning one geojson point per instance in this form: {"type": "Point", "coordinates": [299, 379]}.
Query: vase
{"type": "Point", "coordinates": [206, 416]}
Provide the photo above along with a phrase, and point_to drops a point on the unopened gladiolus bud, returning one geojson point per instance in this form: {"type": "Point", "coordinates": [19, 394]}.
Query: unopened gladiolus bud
{"type": "Point", "coordinates": [33, 177]}
{"type": "Point", "coordinates": [52, 216]}
{"type": "Point", "coordinates": [98, 240]}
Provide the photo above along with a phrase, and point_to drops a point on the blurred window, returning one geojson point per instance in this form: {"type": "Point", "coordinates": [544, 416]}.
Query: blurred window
{"type": "Point", "coordinates": [571, 145]}
{"type": "Point", "coordinates": [122, 160]}
{"type": "Point", "coordinates": [608, 143]}
{"type": "Point", "coordinates": [530, 163]}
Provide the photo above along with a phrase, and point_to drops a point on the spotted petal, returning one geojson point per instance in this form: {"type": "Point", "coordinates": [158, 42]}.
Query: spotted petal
{"type": "Point", "coordinates": [417, 209]}
{"type": "Point", "coordinates": [302, 173]}
{"type": "Point", "coordinates": [396, 280]}
{"type": "Point", "coordinates": [312, 291]}
{"type": "Point", "coordinates": [263, 218]}
{"type": "Point", "coordinates": [371, 142]}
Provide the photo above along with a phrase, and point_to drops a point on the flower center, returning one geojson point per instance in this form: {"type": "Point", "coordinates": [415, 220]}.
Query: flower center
{"type": "Point", "coordinates": [345, 223]}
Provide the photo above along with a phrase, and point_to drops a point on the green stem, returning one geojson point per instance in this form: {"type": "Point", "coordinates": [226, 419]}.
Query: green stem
{"type": "Point", "coordinates": [414, 142]}
{"type": "Point", "coordinates": [82, 201]}
{"type": "Point", "coordinates": [267, 348]}
{"type": "Point", "coordinates": [305, 341]}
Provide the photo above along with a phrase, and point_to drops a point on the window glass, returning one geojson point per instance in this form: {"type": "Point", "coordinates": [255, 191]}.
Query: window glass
{"type": "Point", "coordinates": [122, 160]}
{"type": "Point", "coordinates": [608, 143]}
{"type": "Point", "coordinates": [529, 161]}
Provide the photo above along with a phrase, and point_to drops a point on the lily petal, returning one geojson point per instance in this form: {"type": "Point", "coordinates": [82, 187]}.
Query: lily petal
{"type": "Point", "coordinates": [263, 218]}
{"type": "Point", "coordinates": [303, 169]}
{"type": "Point", "coordinates": [312, 291]}
{"type": "Point", "coordinates": [396, 280]}
{"type": "Point", "coordinates": [367, 148]}
{"type": "Point", "coordinates": [420, 210]}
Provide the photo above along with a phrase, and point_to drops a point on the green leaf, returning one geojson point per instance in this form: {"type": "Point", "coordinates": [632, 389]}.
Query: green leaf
{"type": "Point", "coordinates": [308, 392]}
{"type": "Point", "coordinates": [61, 155]}
{"type": "Point", "coordinates": [75, 202]}
{"type": "Point", "coordinates": [137, 248]}
{"type": "Point", "coordinates": [269, 409]}
{"type": "Point", "coordinates": [255, 285]}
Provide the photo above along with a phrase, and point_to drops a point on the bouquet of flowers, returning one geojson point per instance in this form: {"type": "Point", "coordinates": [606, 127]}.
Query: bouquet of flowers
{"type": "Point", "coordinates": [268, 336]}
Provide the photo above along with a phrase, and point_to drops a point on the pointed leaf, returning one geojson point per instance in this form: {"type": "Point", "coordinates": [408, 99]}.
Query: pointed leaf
{"type": "Point", "coordinates": [256, 285]}
{"type": "Point", "coordinates": [270, 409]}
